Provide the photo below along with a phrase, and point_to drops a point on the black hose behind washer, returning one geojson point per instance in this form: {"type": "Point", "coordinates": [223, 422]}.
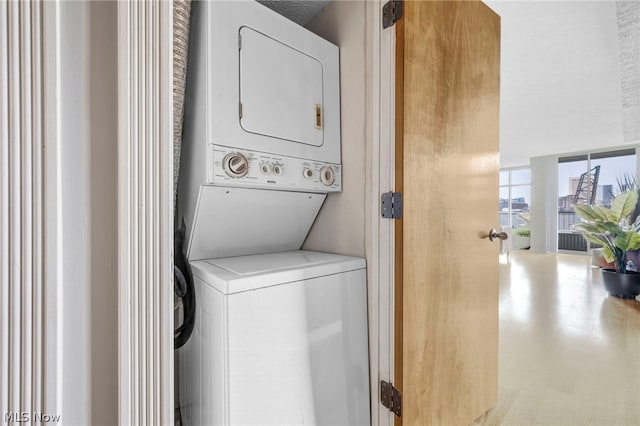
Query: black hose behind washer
{"type": "Point", "coordinates": [183, 288]}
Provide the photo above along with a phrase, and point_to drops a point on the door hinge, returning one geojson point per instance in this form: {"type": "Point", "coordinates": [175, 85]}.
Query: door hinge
{"type": "Point", "coordinates": [391, 398]}
{"type": "Point", "coordinates": [391, 205]}
{"type": "Point", "coordinates": [391, 12]}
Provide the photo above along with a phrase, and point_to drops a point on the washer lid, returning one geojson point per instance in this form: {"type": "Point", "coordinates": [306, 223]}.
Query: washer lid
{"type": "Point", "coordinates": [241, 273]}
{"type": "Point", "coordinates": [243, 221]}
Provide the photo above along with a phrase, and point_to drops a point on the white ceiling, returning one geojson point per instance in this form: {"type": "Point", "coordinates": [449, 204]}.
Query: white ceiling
{"type": "Point", "coordinates": [560, 78]}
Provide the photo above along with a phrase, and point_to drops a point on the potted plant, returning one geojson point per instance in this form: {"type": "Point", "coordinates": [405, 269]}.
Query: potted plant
{"type": "Point", "coordinates": [611, 229]}
{"type": "Point", "coordinates": [522, 235]}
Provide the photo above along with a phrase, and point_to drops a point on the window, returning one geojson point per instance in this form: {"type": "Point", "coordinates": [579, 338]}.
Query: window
{"type": "Point", "coordinates": [515, 196]}
{"type": "Point", "coordinates": [594, 179]}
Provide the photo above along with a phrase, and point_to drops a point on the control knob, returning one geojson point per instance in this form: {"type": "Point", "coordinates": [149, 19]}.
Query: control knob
{"type": "Point", "coordinates": [327, 175]}
{"type": "Point", "coordinates": [307, 173]}
{"type": "Point", "coordinates": [265, 168]}
{"type": "Point", "coordinates": [236, 165]}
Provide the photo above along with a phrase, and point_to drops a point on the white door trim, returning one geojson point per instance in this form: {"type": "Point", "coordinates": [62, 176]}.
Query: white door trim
{"type": "Point", "coordinates": [145, 212]}
{"type": "Point", "coordinates": [53, 248]}
{"type": "Point", "coordinates": [380, 232]}
{"type": "Point", "coordinates": [30, 255]}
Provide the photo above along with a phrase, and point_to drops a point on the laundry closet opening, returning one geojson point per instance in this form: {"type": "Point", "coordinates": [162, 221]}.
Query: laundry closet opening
{"type": "Point", "coordinates": [272, 210]}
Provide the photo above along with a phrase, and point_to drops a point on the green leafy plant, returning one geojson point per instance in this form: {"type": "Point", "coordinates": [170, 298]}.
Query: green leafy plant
{"type": "Point", "coordinates": [626, 182]}
{"type": "Point", "coordinates": [611, 229]}
{"type": "Point", "coordinates": [524, 232]}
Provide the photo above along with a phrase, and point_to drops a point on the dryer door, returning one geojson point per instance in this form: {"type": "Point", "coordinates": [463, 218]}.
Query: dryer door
{"type": "Point", "coordinates": [271, 85]}
{"type": "Point", "coordinates": [280, 90]}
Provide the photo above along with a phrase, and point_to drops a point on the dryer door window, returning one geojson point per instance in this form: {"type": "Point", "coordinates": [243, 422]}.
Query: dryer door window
{"type": "Point", "coordinates": [280, 90]}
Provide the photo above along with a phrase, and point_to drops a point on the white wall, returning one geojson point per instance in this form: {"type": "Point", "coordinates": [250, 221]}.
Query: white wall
{"type": "Point", "coordinates": [349, 222]}
{"type": "Point", "coordinates": [560, 78]}
{"type": "Point", "coordinates": [340, 226]}
{"type": "Point", "coordinates": [88, 130]}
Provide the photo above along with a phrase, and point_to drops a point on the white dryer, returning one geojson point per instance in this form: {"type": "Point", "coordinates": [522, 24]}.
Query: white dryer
{"type": "Point", "coordinates": [262, 112]}
{"type": "Point", "coordinates": [280, 339]}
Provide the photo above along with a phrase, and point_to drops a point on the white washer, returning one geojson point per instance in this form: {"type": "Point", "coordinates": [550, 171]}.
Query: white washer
{"type": "Point", "coordinates": [280, 338]}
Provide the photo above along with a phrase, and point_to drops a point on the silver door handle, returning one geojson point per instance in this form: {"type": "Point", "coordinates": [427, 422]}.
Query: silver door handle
{"type": "Point", "coordinates": [493, 234]}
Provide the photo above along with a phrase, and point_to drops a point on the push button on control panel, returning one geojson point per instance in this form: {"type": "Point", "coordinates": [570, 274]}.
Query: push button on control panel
{"type": "Point", "coordinates": [265, 168]}
{"type": "Point", "coordinates": [307, 173]}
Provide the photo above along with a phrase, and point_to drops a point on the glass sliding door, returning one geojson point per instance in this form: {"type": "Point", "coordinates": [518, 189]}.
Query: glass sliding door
{"type": "Point", "coordinates": [617, 174]}
{"type": "Point", "coordinates": [594, 179]}
{"type": "Point", "coordinates": [570, 170]}
{"type": "Point", "coordinates": [504, 207]}
{"type": "Point", "coordinates": [515, 204]}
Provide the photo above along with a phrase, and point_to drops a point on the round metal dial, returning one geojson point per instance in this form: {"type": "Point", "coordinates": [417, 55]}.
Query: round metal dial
{"type": "Point", "coordinates": [327, 175]}
{"type": "Point", "coordinates": [236, 165]}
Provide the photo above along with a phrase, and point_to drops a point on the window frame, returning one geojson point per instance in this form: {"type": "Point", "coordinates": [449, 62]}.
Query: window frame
{"type": "Point", "coordinates": [510, 185]}
{"type": "Point", "coordinates": [589, 156]}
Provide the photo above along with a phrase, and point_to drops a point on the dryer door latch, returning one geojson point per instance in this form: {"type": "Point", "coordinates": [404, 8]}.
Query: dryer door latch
{"type": "Point", "coordinates": [391, 205]}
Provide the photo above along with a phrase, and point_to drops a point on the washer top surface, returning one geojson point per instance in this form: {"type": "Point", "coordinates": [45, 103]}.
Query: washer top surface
{"type": "Point", "coordinates": [242, 273]}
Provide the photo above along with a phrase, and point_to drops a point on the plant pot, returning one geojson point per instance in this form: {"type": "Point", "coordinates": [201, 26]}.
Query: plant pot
{"type": "Point", "coordinates": [623, 286]}
{"type": "Point", "coordinates": [597, 259]}
{"type": "Point", "coordinates": [519, 242]}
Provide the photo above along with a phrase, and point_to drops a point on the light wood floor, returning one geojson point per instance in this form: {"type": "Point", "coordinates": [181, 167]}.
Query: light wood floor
{"type": "Point", "coordinates": [569, 353]}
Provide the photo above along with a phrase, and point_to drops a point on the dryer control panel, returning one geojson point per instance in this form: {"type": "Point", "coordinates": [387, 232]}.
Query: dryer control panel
{"type": "Point", "coordinates": [228, 166]}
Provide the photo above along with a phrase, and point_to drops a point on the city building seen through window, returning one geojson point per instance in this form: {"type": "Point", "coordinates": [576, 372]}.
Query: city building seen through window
{"type": "Point", "coordinates": [515, 197]}
{"type": "Point", "coordinates": [593, 179]}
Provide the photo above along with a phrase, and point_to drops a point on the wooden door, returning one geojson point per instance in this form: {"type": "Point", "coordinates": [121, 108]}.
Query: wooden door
{"type": "Point", "coordinates": [447, 67]}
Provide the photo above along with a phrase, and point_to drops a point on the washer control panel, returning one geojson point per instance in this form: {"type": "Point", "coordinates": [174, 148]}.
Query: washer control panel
{"type": "Point", "coordinates": [243, 168]}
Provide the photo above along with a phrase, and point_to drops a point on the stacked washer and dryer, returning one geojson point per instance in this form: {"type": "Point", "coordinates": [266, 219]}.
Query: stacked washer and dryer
{"type": "Point", "coordinates": [280, 333]}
